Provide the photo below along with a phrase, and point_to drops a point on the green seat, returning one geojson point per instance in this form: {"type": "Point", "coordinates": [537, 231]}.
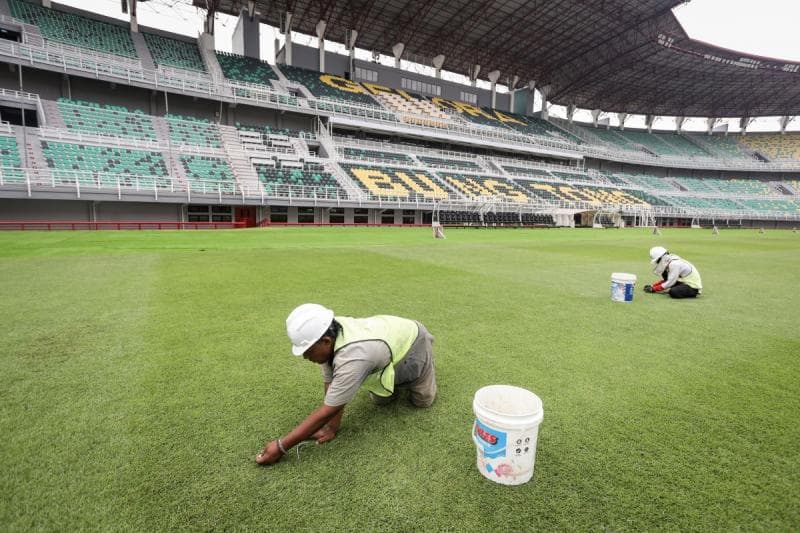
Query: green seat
{"type": "Point", "coordinates": [75, 30]}
{"type": "Point", "coordinates": [104, 166]}
{"type": "Point", "coordinates": [193, 131]}
{"type": "Point", "coordinates": [246, 69]}
{"type": "Point", "coordinates": [174, 53]}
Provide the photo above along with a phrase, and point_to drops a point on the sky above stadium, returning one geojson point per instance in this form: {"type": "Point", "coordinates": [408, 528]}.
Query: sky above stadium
{"type": "Point", "coordinates": [764, 27]}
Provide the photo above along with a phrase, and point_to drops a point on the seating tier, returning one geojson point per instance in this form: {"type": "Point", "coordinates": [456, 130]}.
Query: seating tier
{"type": "Point", "coordinates": [174, 53]}
{"type": "Point", "coordinates": [75, 30]}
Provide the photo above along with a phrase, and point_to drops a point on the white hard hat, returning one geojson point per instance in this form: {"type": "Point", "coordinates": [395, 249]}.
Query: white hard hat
{"type": "Point", "coordinates": [306, 325]}
{"type": "Point", "coordinates": [656, 252]}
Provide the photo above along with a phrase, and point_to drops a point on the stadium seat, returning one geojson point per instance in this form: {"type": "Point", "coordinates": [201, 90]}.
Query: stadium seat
{"type": "Point", "coordinates": [390, 182]}
{"type": "Point", "coordinates": [104, 166]}
{"type": "Point", "coordinates": [375, 155]}
{"type": "Point", "coordinates": [193, 131]}
{"type": "Point", "coordinates": [330, 86]}
{"type": "Point", "coordinates": [208, 173]}
{"type": "Point", "coordinates": [473, 187]}
{"type": "Point", "coordinates": [101, 119]}
{"type": "Point", "coordinates": [75, 30]}
{"type": "Point", "coordinates": [721, 146]}
{"type": "Point", "coordinates": [174, 53]}
{"type": "Point", "coordinates": [246, 69]}
{"type": "Point", "coordinates": [310, 181]}
{"type": "Point", "coordinates": [581, 193]}
{"type": "Point", "coordinates": [458, 164]}
{"type": "Point", "coordinates": [777, 147]}
{"type": "Point", "coordinates": [10, 162]}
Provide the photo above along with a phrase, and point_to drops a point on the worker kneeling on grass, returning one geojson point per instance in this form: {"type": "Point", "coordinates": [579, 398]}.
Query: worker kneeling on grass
{"type": "Point", "coordinates": [383, 353]}
{"type": "Point", "coordinates": [679, 278]}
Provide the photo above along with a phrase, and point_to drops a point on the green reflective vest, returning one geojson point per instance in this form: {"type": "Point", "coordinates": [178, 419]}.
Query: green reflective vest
{"type": "Point", "coordinates": [398, 334]}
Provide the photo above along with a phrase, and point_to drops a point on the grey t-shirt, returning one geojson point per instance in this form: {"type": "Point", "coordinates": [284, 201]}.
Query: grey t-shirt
{"type": "Point", "coordinates": [353, 363]}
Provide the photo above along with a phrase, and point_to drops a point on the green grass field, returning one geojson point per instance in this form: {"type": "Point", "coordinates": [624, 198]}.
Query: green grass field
{"type": "Point", "coordinates": [140, 373]}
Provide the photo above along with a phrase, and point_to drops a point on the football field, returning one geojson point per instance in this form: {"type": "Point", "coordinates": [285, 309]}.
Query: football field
{"type": "Point", "coordinates": [141, 372]}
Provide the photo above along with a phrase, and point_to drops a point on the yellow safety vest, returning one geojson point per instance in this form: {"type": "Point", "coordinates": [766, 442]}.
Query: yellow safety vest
{"type": "Point", "coordinates": [693, 279]}
{"type": "Point", "coordinates": [397, 333]}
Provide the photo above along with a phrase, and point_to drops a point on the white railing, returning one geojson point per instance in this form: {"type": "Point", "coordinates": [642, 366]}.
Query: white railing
{"type": "Point", "coordinates": [72, 136]}
{"type": "Point", "coordinates": [38, 180]}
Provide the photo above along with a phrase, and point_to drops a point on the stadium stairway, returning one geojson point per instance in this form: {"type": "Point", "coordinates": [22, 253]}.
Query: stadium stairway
{"type": "Point", "coordinates": [242, 168]}
{"type": "Point", "coordinates": [173, 163]}
{"type": "Point", "coordinates": [300, 147]}
{"type": "Point", "coordinates": [53, 114]}
{"type": "Point", "coordinates": [33, 149]}
{"type": "Point", "coordinates": [143, 51]}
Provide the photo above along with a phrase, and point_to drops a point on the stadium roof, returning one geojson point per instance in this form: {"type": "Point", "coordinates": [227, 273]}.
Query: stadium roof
{"type": "Point", "coordinates": [628, 56]}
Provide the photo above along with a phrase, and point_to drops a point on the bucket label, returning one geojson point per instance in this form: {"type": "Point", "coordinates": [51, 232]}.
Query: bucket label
{"type": "Point", "coordinates": [621, 292]}
{"type": "Point", "coordinates": [494, 441]}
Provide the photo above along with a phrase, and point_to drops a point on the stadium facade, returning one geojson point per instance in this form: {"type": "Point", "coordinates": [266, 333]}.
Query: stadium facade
{"type": "Point", "coordinates": [107, 121]}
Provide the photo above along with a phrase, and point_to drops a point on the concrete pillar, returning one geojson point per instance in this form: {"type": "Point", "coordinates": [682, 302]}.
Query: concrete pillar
{"type": "Point", "coordinates": [512, 86]}
{"type": "Point", "coordinates": [287, 29]}
{"type": "Point", "coordinates": [531, 97]}
{"type": "Point", "coordinates": [648, 121]}
{"type": "Point", "coordinates": [544, 90]}
{"type": "Point", "coordinates": [493, 77]}
{"type": "Point", "coordinates": [743, 123]}
{"type": "Point", "coordinates": [397, 51]}
{"type": "Point", "coordinates": [570, 112]}
{"type": "Point", "coordinates": [320, 29]}
{"type": "Point", "coordinates": [246, 39]}
{"type": "Point", "coordinates": [622, 117]}
{"type": "Point", "coordinates": [710, 123]}
{"type": "Point", "coordinates": [438, 61]}
{"type": "Point", "coordinates": [473, 74]}
{"type": "Point", "coordinates": [595, 116]}
{"type": "Point", "coordinates": [350, 44]}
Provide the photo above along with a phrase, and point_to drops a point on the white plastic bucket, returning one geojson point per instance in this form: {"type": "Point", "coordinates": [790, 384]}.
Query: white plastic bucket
{"type": "Point", "coordinates": [505, 432]}
{"type": "Point", "coordinates": [622, 285]}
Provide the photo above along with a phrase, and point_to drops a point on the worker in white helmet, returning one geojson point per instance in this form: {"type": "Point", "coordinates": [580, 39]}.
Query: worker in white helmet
{"type": "Point", "coordinates": [383, 353]}
{"type": "Point", "coordinates": [679, 278]}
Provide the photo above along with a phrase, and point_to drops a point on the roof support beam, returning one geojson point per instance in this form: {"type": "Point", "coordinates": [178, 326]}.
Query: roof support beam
{"type": "Point", "coordinates": [286, 29]}
{"type": "Point", "coordinates": [397, 51]}
{"type": "Point", "coordinates": [512, 85]}
{"type": "Point", "coordinates": [596, 116]}
{"type": "Point", "coordinates": [320, 29]}
{"type": "Point", "coordinates": [649, 120]}
{"type": "Point", "coordinates": [493, 77]}
{"type": "Point", "coordinates": [570, 112]}
{"type": "Point", "coordinates": [743, 123]}
{"type": "Point", "coordinates": [622, 117]}
{"type": "Point", "coordinates": [784, 122]}
{"type": "Point", "coordinates": [438, 61]}
{"type": "Point", "coordinates": [351, 37]}
{"type": "Point", "coordinates": [679, 121]}
{"type": "Point", "coordinates": [473, 74]}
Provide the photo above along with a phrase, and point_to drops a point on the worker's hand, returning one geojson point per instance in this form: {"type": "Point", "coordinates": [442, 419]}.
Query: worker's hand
{"type": "Point", "coordinates": [324, 434]}
{"type": "Point", "coordinates": [270, 454]}
{"type": "Point", "coordinates": [648, 288]}
{"type": "Point", "coordinates": [658, 287]}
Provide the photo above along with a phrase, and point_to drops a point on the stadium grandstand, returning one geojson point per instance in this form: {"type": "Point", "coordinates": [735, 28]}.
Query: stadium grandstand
{"type": "Point", "coordinates": [103, 120]}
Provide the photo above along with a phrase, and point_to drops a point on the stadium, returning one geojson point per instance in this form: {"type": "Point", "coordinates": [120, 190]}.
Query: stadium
{"type": "Point", "coordinates": [144, 368]}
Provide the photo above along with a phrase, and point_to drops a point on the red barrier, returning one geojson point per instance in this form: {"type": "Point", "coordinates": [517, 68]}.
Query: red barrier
{"type": "Point", "coordinates": [50, 225]}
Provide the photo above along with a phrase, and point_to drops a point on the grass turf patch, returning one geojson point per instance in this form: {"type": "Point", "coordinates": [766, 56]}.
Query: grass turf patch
{"type": "Point", "coordinates": [142, 371]}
